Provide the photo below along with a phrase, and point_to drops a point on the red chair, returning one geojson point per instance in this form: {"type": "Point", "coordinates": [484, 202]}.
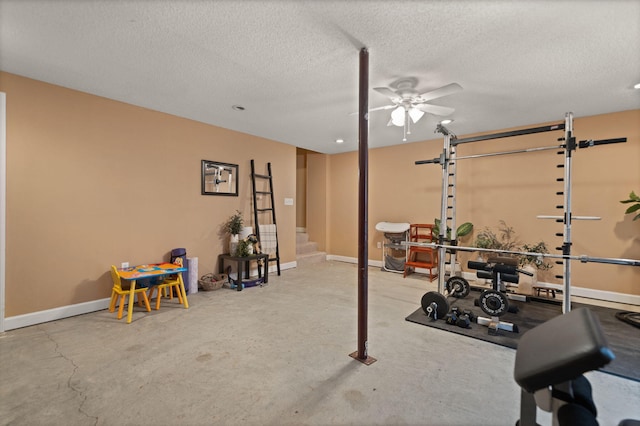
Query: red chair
{"type": "Point", "coordinates": [422, 257]}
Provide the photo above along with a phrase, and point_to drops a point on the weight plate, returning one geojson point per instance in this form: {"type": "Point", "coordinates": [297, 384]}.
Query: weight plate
{"type": "Point", "coordinates": [435, 305]}
{"type": "Point", "coordinates": [494, 303]}
{"type": "Point", "coordinates": [457, 287]}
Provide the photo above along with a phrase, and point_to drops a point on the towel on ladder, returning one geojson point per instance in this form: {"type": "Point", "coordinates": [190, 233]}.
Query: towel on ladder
{"type": "Point", "coordinates": [268, 240]}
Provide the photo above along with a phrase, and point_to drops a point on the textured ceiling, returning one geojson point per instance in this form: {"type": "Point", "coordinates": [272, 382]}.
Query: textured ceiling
{"type": "Point", "coordinates": [293, 65]}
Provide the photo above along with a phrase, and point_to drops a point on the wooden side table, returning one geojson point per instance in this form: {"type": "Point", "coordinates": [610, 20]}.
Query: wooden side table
{"type": "Point", "coordinates": [244, 263]}
{"type": "Point", "coordinates": [538, 290]}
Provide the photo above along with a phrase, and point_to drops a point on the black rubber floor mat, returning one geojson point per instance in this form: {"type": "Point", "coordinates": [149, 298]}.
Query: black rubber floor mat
{"type": "Point", "coordinates": [632, 318]}
{"type": "Point", "coordinates": [623, 338]}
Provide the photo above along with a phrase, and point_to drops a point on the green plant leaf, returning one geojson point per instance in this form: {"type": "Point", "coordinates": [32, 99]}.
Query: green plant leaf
{"type": "Point", "coordinates": [633, 198]}
{"type": "Point", "coordinates": [632, 209]}
{"type": "Point", "coordinates": [464, 229]}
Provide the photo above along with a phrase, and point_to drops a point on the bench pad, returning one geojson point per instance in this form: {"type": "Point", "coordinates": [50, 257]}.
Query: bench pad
{"type": "Point", "coordinates": [561, 349]}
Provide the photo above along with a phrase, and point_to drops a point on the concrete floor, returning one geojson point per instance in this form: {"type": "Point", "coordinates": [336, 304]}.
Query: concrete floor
{"type": "Point", "coordinates": [275, 355]}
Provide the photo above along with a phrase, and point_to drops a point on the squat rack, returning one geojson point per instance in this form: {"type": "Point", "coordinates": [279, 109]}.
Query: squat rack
{"type": "Point", "coordinates": [448, 159]}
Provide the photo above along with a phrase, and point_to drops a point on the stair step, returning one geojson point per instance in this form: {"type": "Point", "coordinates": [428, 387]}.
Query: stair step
{"type": "Point", "coordinates": [308, 247]}
{"type": "Point", "coordinates": [311, 258]}
{"type": "Point", "coordinates": [302, 237]}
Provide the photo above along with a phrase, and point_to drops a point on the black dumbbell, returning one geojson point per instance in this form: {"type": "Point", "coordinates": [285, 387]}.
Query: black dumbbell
{"type": "Point", "coordinates": [451, 318]}
{"type": "Point", "coordinates": [464, 321]}
{"type": "Point", "coordinates": [472, 316]}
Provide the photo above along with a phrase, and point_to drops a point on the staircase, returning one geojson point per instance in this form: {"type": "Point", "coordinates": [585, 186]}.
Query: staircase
{"type": "Point", "coordinates": [307, 251]}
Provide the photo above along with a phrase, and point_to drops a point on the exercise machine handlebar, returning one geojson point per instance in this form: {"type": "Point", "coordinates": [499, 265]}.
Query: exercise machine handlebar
{"type": "Point", "coordinates": [432, 161]}
{"type": "Point", "coordinates": [591, 142]}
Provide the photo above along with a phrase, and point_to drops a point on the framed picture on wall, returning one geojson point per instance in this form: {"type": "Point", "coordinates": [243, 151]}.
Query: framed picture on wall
{"type": "Point", "coordinates": [219, 178]}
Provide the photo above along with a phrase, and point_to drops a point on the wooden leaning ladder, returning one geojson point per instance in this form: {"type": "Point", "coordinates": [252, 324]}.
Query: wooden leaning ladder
{"type": "Point", "coordinates": [263, 211]}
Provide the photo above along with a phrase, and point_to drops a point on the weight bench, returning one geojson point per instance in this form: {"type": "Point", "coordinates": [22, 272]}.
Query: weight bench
{"type": "Point", "coordinates": [495, 302]}
{"type": "Point", "coordinates": [550, 362]}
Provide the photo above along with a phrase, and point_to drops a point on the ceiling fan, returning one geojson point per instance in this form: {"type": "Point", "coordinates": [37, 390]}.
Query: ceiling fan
{"type": "Point", "coordinates": [409, 106]}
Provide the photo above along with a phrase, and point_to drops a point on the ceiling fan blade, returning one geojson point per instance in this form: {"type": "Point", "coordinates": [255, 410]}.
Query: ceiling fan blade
{"type": "Point", "coordinates": [377, 109]}
{"type": "Point", "coordinates": [447, 90]}
{"type": "Point", "coordinates": [435, 109]}
{"type": "Point", "coordinates": [388, 93]}
{"type": "Point", "coordinates": [383, 107]}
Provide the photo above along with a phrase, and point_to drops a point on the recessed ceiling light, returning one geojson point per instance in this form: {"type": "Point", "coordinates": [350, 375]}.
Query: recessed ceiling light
{"type": "Point", "coordinates": [447, 121]}
{"type": "Point", "coordinates": [238, 107]}
{"type": "Point", "coordinates": [637, 86]}
{"type": "Point", "coordinates": [339, 140]}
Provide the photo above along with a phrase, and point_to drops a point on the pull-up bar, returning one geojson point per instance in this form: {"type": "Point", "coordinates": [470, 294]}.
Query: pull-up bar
{"type": "Point", "coordinates": [520, 132]}
{"type": "Point", "coordinates": [517, 151]}
{"type": "Point", "coordinates": [581, 144]}
{"type": "Point", "coordinates": [492, 154]}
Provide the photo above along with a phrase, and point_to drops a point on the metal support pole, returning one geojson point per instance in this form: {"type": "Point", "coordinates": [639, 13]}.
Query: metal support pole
{"type": "Point", "coordinates": [453, 176]}
{"type": "Point", "coordinates": [363, 214]}
{"type": "Point", "coordinates": [444, 161]}
{"type": "Point", "coordinates": [570, 146]}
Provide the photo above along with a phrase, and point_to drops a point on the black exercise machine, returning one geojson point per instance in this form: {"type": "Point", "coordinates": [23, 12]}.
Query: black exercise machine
{"type": "Point", "coordinates": [495, 301]}
{"type": "Point", "coordinates": [550, 362]}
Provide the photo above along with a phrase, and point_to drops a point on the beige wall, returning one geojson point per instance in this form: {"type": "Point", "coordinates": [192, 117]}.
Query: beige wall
{"type": "Point", "coordinates": [514, 188]}
{"type": "Point", "coordinates": [318, 199]}
{"type": "Point", "coordinates": [301, 188]}
{"type": "Point", "coordinates": [93, 182]}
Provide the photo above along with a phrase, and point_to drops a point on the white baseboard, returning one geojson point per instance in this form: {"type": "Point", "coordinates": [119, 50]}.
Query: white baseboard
{"type": "Point", "coordinates": [34, 318]}
{"type": "Point", "coordinates": [285, 266]}
{"type": "Point", "coordinates": [350, 259]}
{"type": "Point", "coordinates": [301, 230]}
{"type": "Point", "coordinates": [40, 317]}
{"type": "Point", "coordinates": [273, 268]}
{"type": "Point", "coordinates": [609, 296]}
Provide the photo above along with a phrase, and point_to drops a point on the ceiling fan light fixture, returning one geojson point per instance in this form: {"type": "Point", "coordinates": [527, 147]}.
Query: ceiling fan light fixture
{"type": "Point", "coordinates": [415, 114]}
{"type": "Point", "coordinates": [397, 116]}
{"type": "Point", "coordinates": [408, 105]}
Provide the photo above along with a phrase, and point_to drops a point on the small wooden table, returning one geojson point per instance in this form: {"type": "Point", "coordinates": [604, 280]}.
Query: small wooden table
{"type": "Point", "coordinates": [148, 271]}
{"type": "Point", "coordinates": [243, 263]}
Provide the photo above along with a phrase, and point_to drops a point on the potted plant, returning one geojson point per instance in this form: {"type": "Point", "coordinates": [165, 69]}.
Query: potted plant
{"type": "Point", "coordinates": [634, 207]}
{"type": "Point", "coordinates": [532, 264]}
{"type": "Point", "coordinates": [233, 227]}
{"type": "Point", "coordinates": [244, 248]}
{"type": "Point", "coordinates": [462, 230]}
{"type": "Point", "coordinates": [505, 239]}
{"type": "Point", "coordinates": [535, 261]}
